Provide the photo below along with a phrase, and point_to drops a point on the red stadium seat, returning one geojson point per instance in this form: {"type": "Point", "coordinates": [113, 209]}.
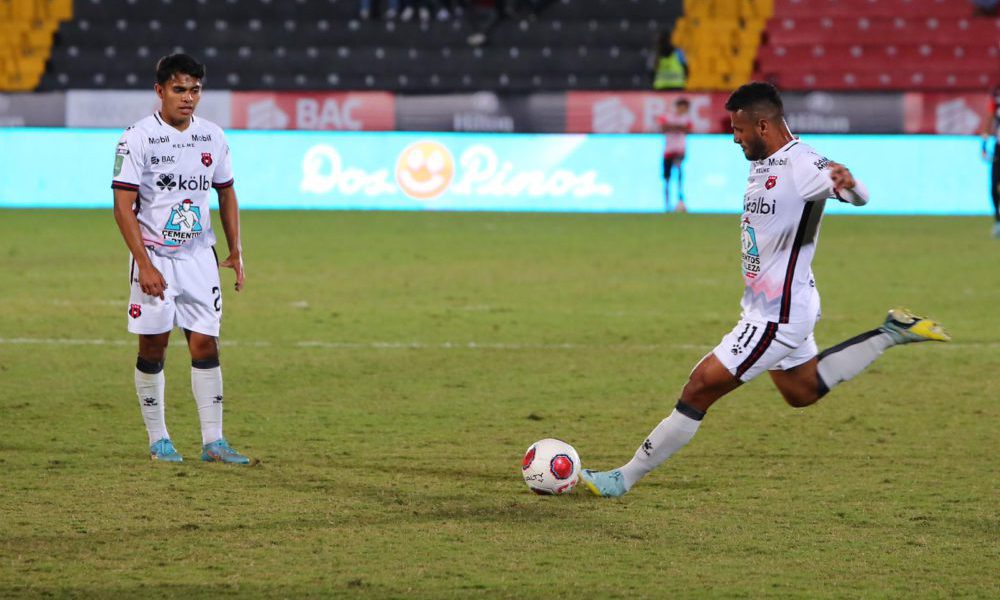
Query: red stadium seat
{"type": "Point", "coordinates": [872, 8]}
{"type": "Point", "coordinates": [879, 44]}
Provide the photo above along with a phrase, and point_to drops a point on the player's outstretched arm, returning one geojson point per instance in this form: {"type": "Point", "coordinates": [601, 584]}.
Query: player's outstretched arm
{"type": "Point", "coordinates": [229, 212]}
{"type": "Point", "coordinates": [150, 279]}
{"type": "Point", "coordinates": [846, 186]}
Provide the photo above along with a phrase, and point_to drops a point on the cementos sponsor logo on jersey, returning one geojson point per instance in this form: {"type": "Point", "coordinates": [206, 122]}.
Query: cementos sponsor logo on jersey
{"type": "Point", "coordinates": [426, 170]}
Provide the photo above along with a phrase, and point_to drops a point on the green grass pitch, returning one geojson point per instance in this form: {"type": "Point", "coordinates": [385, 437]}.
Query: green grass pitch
{"type": "Point", "coordinates": [390, 369]}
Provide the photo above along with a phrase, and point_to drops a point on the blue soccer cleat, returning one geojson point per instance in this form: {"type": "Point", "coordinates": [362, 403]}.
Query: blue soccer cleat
{"type": "Point", "coordinates": [905, 328]}
{"type": "Point", "coordinates": [609, 484]}
{"type": "Point", "coordinates": [219, 451]}
{"type": "Point", "coordinates": [163, 451]}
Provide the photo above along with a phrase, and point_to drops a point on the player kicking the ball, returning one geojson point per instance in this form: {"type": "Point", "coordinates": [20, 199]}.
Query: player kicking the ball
{"type": "Point", "coordinates": [164, 168]}
{"type": "Point", "coordinates": [782, 207]}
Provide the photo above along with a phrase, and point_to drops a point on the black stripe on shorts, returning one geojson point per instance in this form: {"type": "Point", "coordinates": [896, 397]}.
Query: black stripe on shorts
{"type": "Point", "coordinates": [758, 351]}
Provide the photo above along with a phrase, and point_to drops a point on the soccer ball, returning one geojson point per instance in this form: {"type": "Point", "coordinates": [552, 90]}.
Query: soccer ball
{"type": "Point", "coordinates": [550, 466]}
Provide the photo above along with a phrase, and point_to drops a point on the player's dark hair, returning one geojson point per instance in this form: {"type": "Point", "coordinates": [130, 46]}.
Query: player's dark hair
{"type": "Point", "coordinates": [170, 65]}
{"type": "Point", "coordinates": [756, 97]}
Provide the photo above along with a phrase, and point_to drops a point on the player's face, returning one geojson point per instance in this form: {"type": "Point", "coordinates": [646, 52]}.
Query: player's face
{"type": "Point", "coordinates": [747, 132]}
{"type": "Point", "coordinates": [179, 96]}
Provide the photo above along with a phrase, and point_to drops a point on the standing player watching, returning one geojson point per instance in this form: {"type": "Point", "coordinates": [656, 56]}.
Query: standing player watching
{"type": "Point", "coordinates": [675, 127]}
{"type": "Point", "coordinates": [164, 167]}
{"type": "Point", "coordinates": [782, 206]}
{"type": "Point", "coordinates": [992, 132]}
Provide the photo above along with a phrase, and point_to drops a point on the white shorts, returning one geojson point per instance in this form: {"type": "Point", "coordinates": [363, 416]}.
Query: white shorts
{"type": "Point", "coordinates": [754, 346]}
{"type": "Point", "coordinates": [192, 300]}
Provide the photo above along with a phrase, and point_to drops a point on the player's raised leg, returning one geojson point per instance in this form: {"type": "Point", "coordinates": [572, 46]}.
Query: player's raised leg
{"type": "Point", "coordinates": [708, 382]}
{"type": "Point", "coordinates": [845, 360]}
{"type": "Point", "coordinates": [807, 383]}
{"type": "Point", "coordinates": [206, 385]}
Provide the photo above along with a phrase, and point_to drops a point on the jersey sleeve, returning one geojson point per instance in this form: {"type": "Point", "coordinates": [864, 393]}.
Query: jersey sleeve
{"type": "Point", "coordinates": [223, 175]}
{"type": "Point", "coordinates": [812, 177]}
{"type": "Point", "coordinates": [129, 162]}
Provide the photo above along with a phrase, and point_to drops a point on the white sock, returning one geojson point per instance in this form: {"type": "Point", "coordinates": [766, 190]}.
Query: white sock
{"type": "Point", "coordinates": [149, 389]}
{"type": "Point", "coordinates": [667, 438]}
{"type": "Point", "coordinates": [847, 359]}
{"type": "Point", "coordinates": [206, 385]}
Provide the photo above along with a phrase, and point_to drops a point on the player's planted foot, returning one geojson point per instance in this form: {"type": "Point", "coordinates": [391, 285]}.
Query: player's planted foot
{"type": "Point", "coordinates": [906, 327]}
{"type": "Point", "coordinates": [996, 230]}
{"type": "Point", "coordinates": [163, 450]}
{"type": "Point", "coordinates": [219, 451]}
{"type": "Point", "coordinates": [609, 484]}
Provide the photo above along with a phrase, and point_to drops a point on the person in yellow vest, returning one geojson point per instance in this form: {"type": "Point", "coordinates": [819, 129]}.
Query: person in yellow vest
{"type": "Point", "coordinates": [670, 68]}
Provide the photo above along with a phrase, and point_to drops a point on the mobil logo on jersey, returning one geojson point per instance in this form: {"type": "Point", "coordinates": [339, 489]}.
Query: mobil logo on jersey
{"type": "Point", "coordinates": [465, 172]}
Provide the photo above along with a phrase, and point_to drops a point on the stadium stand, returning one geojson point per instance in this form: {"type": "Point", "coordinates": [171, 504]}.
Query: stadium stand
{"type": "Point", "coordinates": [916, 45]}
{"type": "Point", "coordinates": [26, 29]}
{"type": "Point", "coordinates": [323, 44]}
{"type": "Point", "coordinates": [720, 38]}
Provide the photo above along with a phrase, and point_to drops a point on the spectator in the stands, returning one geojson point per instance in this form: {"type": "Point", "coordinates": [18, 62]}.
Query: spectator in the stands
{"type": "Point", "coordinates": [670, 68]}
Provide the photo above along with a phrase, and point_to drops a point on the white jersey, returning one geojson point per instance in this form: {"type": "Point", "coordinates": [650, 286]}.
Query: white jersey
{"type": "Point", "coordinates": [676, 141]}
{"type": "Point", "coordinates": [782, 208]}
{"type": "Point", "coordinates": [173, 171]}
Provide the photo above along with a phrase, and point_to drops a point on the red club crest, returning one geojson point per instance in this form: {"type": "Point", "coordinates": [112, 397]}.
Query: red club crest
{"type": "Point", "coordinates": [771, 182]}
{"type": "Point", "coordinates": [134, 311]}
{"type": "Point", "coordinates": [206, 159]}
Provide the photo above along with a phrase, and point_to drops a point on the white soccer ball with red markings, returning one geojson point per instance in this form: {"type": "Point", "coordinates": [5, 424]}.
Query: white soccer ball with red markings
{"type": "Point", "coordinates": [550, 466]}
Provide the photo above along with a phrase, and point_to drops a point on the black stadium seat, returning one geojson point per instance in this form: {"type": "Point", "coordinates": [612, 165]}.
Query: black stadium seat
{"type": "Point", "coordinates": [324, 44]}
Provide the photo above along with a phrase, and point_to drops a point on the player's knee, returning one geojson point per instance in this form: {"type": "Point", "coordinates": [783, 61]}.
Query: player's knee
{"type": "Point", "coordinates": [800, 398]}
{"type": "Point", "coordinates": [205, 348]}
{"type": "Point", "coordinates": [698, 392]}
{"type": "Point", "coordinates": [695, 386]}
{"type": "Point", "coordinates": [153, 348]}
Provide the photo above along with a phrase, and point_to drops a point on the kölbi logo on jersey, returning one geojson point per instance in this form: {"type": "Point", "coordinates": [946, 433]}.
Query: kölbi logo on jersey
{"type": "Point", "coordinates": [759, 206]}
{"type": "Point", "coordinates": [167, 182]}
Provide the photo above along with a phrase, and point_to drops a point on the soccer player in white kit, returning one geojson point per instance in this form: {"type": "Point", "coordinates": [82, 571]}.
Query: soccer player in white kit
{"type": "Point", "coordinates": [675, 128]}
{"type": "Point", "coordinates": [788, 186]}
{"type": "Point", "coordinates": [165, 166]}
